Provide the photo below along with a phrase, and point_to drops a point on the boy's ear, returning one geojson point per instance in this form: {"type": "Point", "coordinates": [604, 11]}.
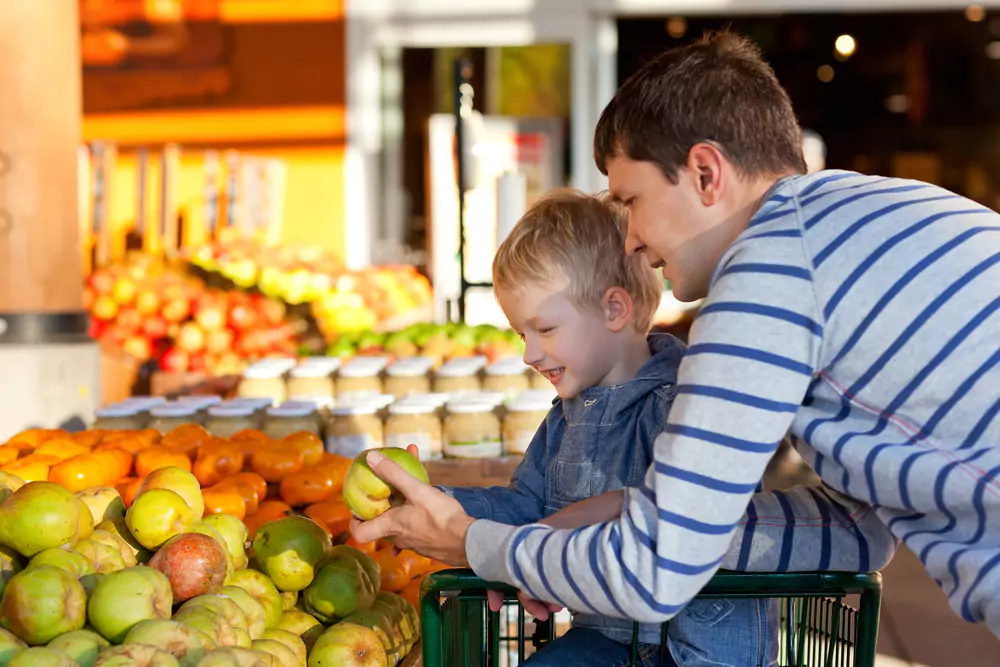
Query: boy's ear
{"type": "Point", "coordinates": [617, 308]}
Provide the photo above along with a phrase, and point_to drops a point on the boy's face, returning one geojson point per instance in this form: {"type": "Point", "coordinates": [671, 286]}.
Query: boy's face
{"type": "Point", "coordinates": [570, 346]}
{"type": "Point", "coordinates": [670, 224]}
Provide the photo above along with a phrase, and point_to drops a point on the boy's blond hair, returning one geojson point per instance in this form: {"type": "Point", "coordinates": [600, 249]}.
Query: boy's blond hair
{"type": "Point", "coordinates": [579, 237]}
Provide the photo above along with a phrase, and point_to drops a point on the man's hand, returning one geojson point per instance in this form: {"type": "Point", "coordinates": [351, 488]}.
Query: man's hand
{"type": "Point", "coordinates": [430, 522]}
{"type": "Point", "coordinates": [536, 608]}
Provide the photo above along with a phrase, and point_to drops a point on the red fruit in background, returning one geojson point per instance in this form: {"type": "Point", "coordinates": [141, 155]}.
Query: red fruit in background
{"type": "Point", "coordinates": [229, 364]}
{"type": "Point", "coordinates": [102, 282]}
{"type": "Point", "coordinates": [95, 328]}
{"type": "Point", "coordinates": [124, 291]}
{"type": "Point", "coordinates": [176, 309]}
{"type": "Point", "coordinates": [174, 361]}
{"type": "Point", "coordinates": [190, 338]}
{"type": "Point", "coordinates": [198, 363]}
{"type": "Point", "coordinates": [138, 347]}
{"type": "Point", "coordinates": [174, 291]}
{"type": "Point", "coordinates": [147, 302]}
{"type": "Point", "coordinates": [272, 311]}
{"type": "Point", "coordinates": [113, 335]}
{"type": "Point", "coordinates": [218, 341]}
{"type": "Point", "coordinates": [194, 563]}
{"type": "Point", "coordinates": [242, 316]}
{"type": "Point", "coordinates": [154, 327]}
{"type": "Point", "coordinates": [88, 298]}
{"type": "Point", "coordinates": [173, 330]}
{"type": "Point", "coordinates": [210, 318]}
{"type": "Point", "coordinates": [105, 308]}
{"type": "Point", "coordinates": [129, 319]}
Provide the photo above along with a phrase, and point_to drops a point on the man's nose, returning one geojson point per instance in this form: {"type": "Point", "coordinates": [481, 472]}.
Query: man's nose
{"type": "Point", "coordinates": [632, 242]}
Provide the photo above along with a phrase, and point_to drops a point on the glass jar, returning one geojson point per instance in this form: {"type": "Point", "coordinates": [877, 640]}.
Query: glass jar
{"type": "Point", "coordinates": [312, 382]}
{"type": "Point", "coordinates": [508, 376]}
{"type": "Point", "coordinates": [262, 381]}
{"type": "Point", "coordinates": [524, 415]}
{"type": "Point", "coordinates": [352, 429]}
{"type": "Point", "coordinates": [259, 405]}
{"type": "Point", "coordinates": [456, 376]}
{"type": "Point", "coordinates": [169, 416]}
{"type": "Point", "coordinates": [358, 382]}
{"type": "Point", "coordinates": [290, 418]}
{"type": "Point", "coordinates": [200, 403]}
{"type": "Point", "coordinates": [471, 431]}
{"type": "Point", "coordinates": [119, 417]}
{"type": "Point", "coordinates": [408, 376]}
{"type": "Point", "coordinates": [414, 424]}
{"type": "Point", "coordinates": [224, 421]}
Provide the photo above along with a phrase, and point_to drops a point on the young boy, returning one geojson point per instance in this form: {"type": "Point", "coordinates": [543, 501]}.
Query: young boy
{"type": "Point", "coordinates": [584, 309]}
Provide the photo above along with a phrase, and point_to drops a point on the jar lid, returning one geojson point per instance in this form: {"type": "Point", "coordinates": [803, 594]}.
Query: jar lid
{"type": "Point", "coordinates": [456, 369]}
{"type": "Point", "coordinates": [316, 401]}
{"type": "Point", "coordinates": [377, 361]}
{"type": "Point", "coordinates": [231, 411]}
{"type": "Point", "coordinates": [412, 409]}
{"type": "Point", "coordinates": [410, 367]}
{"type": "Point", "coordinates": [262, 372]}
{"type": "Point", "coordinates": [173, 410]}
{"type": "Point", "coordinates": [532, 401]}
{"type": "Point", "coordinates": [359, 370]}
{"type": "Point", "coordinates": [285, 364]}
{"type": "Point", "coordinates": [200, 401]}
{"type": "Point", "coordinates": [295, 410]}
{"type": "Point", "coordinates": [145, 402]}
{"type": "Point", "coordinates": [255, 402]}
{"type": "Point", "coordinates": [355, 409]}
{"type": "Point", "coordinates": [437, 400]}
{"type": "Point", "coordinates": [466, 406]}
{"type": "Point", "coordinates": [311, 371]}
{"type": "Point", "coordinates": [117, 410]}
{"type": "Point", "coordinates": [507, 366]}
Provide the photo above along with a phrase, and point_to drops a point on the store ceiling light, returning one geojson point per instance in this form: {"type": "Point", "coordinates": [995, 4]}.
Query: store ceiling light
{"type": "Point", "coordinates": [993, 50]}
{"type": "Point", "coordinates": [824, 73]}
{"type": "Point", "coordinates": [677, 27]}
{"type": "Point", "coordinates": [845, 45]}
{"type": "Point", "coordinates": [975, 13]}
{"type": "Point", "coordinates": [897, 103]}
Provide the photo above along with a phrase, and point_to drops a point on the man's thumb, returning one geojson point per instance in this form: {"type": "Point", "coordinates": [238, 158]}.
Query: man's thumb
{"type": "Point", "coordinates": [391, 473]}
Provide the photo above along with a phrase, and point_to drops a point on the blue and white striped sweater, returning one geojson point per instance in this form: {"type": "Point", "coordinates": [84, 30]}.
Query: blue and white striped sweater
{"type": "Point", "coordinates": [858, 315]}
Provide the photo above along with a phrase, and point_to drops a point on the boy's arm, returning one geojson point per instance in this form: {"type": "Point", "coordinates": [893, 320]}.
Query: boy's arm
{"type": "Point", "coordinates": [522, 501]}
{"type": "Point", "coordinates": [756, 347]}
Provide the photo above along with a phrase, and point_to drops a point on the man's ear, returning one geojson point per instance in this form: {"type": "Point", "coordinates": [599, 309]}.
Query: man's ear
{"type": "Point", "coordinates": [705, 163]}
{"type": "Point", "coordinates": [617, 306]}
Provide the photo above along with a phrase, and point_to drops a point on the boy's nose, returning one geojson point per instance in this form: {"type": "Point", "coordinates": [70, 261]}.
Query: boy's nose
{"type": "Point", "coordinates": [532, 354]}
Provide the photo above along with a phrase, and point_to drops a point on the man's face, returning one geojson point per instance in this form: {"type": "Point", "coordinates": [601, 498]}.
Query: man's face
{"type": "Point", "coordinates": [670, 224]}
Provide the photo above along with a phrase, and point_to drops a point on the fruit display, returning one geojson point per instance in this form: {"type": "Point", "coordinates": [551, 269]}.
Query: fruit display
{"type": "Point", "coordinates": [132, 548]}
{"type": "Point", "coordinates": [438, 342]}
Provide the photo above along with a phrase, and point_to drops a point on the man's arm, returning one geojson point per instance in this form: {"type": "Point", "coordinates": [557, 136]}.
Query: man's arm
{"type": "Point", "coordinates": [522, 501]}
{"type": "Point", "coordinates": [756, 347]}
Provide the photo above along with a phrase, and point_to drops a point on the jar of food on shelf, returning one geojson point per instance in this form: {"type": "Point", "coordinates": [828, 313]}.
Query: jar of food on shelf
{"type": "Point", "coordinates": [262, 381]}
{"type": "Point", "coordinates": [351, 429]}
{"type": "Point", "coordinates": [259, 405]}
{"type": "Point", "coordinates": [200, 403]}
{"type": "Point", "coordinates": [508, 376]}
{"type": "Point", "coordinates": [409, 376]}
{"type": "Point", "coordinates": [119, 417]}
{"type": "Point", "coordinates": [282, 364]}
{"type": "Point", "coordinates": [169, 416]}
{"type": "Point", "coordinates": [412, 423]}
{"type": "Point", "coordinates": [331, 364]}
{"type": "Point", "coordinates": [290, 418]}
{"type": "Point", "coordinates": [378, 362]}
{"type": "Point", "coordinates": [471, 430]}
{"type": "Point", "coordinates": [358, 382]}
{"type": "Point", "coordinates": [226, 420]}
{"type": "Point", "coordinates": [538, 381]}
{"type": "Point", "coordinates": [313, 382]}
{"type": "Point", "coordinates": [523, 416]}
{"type": "Point", "coordinates": [457, 376]}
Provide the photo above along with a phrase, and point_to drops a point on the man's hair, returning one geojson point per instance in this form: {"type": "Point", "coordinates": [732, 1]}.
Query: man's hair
{"type": "Point", "coordinates": [716, 90]}
{"type": "Point", "coordinates": [570, 235]}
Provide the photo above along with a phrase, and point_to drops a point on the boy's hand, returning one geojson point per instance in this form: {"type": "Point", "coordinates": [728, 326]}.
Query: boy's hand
{"type": "Point", "coordinates": [430, 522]}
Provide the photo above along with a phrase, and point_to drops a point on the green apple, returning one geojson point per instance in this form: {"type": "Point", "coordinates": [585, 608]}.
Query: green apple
{"type": "Point", "coordinates": [288, 550]}
{"type": "Point", "coordinates": [365, 494]}
{"type": "Point", "coordinates": [341, 587]}
{"type": "Point", "coordinates": [82, 645]}
{"type": "Point", "coordinates": [103, 502]}
{"type": "Point", "coordinates": [348, 644]}
{"type": "Point", "coordinates": [42, 657]}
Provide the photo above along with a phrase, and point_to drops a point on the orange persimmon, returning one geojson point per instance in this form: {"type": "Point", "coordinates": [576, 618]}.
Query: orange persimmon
{"type": "Point", "coordinates": [309, 444]}
{"type": "Point", "coordinates": [331, 513]}
{"type": "Point", "coordinates": [185, 438]}
{"type": "Point", "coordinates": [395, 570]}
{"type": "Point", "coordinates": [269, 510]}
{"type": "Point", "coordinates": [224, 500]}
{"type": "Point", "coordinates": [33, 437]}
{"type": "Point", "coordinates": [130, 442]}
{"type": "Point", "coordinates": [417, 564]}
{"type": "Point", "coordinates": [8, 455]}
{"type": "Point", "coordinates": [411, 592]}
{"type": "Point", "coordinates": [88, 439]}
{"type": "Point", "coordinates": [127, 488]}
{"type": "Point", "coordinates": [154, 458]}
{"type": "Point", "coordinates": [250, 498]}
{"type": "Point", "coordinates": [258, 483]}
{"type": "Point", "coordinates": [31, 468]}
{"type": "Point", "coordinates": [366, 547]}
{"type": "Point", "coordinates": [62, 448]}
{"type": "Point", "coordinates": [276, 461]}
{"type": "Point", "coordinates": [306, 487]}
{"type": "Point", "coordinates": [217, 458]}
{"type": "Point", "coordinates": [81, 472]}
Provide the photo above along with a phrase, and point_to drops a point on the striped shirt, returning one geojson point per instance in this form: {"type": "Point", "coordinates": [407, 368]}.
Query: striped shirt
{"type": "Point", "coordinates": [858, 315]}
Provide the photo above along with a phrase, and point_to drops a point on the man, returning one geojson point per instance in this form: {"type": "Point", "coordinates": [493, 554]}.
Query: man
{"type": "Point", "coordinates": [859, 315]}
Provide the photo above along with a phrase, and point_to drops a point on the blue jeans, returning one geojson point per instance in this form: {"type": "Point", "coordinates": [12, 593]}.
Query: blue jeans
{"type": "Point", "coordinates": [583, 647]}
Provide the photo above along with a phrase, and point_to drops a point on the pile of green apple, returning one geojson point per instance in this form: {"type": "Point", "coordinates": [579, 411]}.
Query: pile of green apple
{"type": "Point", "coordinates": [85, 582]}
{"type": "Point", "coordinates": [435, 341]}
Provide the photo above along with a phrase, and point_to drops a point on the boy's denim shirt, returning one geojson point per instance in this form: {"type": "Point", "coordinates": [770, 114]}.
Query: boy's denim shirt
{"type": "Point", "coordinates": [600, 441]}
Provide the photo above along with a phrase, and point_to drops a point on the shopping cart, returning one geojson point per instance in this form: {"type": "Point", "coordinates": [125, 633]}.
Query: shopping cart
{"type": "Point", "coordinates": [818, 628]}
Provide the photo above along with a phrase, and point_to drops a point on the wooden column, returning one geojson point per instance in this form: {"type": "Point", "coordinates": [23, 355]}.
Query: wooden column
{"type": "Point", "coordinates": [40, 110]}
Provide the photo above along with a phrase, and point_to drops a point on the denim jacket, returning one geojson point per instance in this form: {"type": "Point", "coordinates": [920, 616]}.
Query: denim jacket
{"type": "Point", "coordinates": [600, 441]}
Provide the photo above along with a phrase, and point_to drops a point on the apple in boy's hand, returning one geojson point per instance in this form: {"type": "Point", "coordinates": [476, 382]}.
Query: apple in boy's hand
{"type": "Point", "coordinates": [365, 494]}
